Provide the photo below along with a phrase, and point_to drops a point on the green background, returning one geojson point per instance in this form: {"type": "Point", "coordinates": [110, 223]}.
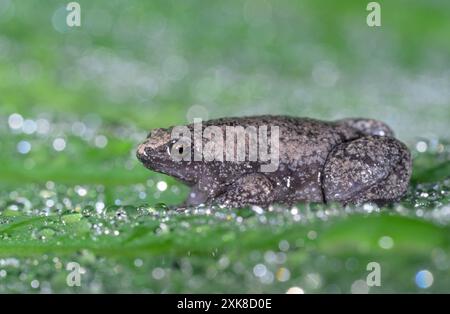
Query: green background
{"type": "Point", "coordinates": [136, 65]}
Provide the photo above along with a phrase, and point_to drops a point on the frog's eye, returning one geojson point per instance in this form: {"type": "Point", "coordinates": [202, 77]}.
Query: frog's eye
{"type": "Point", "coordinates": [180, 149]}
{"type": "Point", "coordinates": [177, 149]}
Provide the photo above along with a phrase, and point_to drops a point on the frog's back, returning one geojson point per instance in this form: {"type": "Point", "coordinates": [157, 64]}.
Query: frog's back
{"type": "Point", "coordinates": [303, 141]}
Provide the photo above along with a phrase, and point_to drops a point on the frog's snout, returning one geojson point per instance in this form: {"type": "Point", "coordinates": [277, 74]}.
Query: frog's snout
{"type": "Point", "coordinates": [141, 152]}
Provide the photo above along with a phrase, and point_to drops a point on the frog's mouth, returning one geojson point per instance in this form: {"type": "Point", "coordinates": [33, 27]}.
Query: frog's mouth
{"type": "Point", "coordinates": [152, 159]}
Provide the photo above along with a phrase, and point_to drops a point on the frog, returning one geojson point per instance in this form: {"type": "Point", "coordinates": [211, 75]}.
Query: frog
{"type": "Point", "coordinates": [346, 161]}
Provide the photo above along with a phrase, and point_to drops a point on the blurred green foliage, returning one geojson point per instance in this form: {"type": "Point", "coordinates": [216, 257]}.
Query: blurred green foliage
{"type": "Point", "coordinates": [136, 65]}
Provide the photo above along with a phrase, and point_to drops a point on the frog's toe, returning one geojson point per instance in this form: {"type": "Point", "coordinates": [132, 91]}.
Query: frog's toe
{"type": "Point", "coordinates": [371, 168]}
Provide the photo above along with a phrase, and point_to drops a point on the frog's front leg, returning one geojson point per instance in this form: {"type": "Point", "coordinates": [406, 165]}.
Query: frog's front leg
{"type": "Point", "coordinates": [207, 186]}
{"type": "Point", "coordinates": [371, 168]}
{"type": "Point", "coordinates": [196, 197]}
{"type": "Point", "coordinates": [250, 189]}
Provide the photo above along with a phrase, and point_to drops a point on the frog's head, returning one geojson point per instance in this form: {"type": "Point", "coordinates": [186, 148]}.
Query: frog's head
{"type": "Point", "coordinates": [161, 153]}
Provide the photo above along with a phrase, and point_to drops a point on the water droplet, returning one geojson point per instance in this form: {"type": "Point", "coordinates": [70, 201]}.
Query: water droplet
{"type": "Point", "coordinates": [424, 279]}
{"type": "Point", "coordinates": [24, 147]}
{"type": "Point", "coordinates": [259, 270]}
{"type": "Point", "coordinates": [101, 141]}
{"type": "Point", "coordinates": [15, 121]}
{"type": "Point", "coordinates": [295, 290]}
{"type": "Point", "coordinates": [161, 207]}
{"type": "Point", "coordinates": [161, 185]}
{"type": "Point", "coordinates": [138, 262]}
{"type": "Point", "coordinates": [283, 274]}
{"type": "Point", "coordinates": [44, 234]}
{"type": "Point", "coordinates": [29, 127]}
{"type": "Point", "coordinates": [59, 144]}
{"type": "Point", "coordinates": [359, 287]}
{"type": "Point", "coordinates": [421, 146]}
{"type": "Point", "coordinates": [35, 284]}
{"type": "Point", "coordinates": [158, 273]}
{"type": "Point", "coordinates": [71, 218]}
{"type": "Point", "coordinates": [386, 242]}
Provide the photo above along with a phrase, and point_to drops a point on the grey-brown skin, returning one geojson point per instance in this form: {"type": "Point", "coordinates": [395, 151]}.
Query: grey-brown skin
{"type": "Point", "coordinates": [348, 161]}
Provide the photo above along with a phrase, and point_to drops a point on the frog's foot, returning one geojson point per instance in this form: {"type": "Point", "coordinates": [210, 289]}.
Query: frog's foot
{"type": "Point", "coordinates": [371, 168]}
{"type": "Point", "coordinates": [251, 189]}
{"type": "Point", "coordinates": [368, 126]}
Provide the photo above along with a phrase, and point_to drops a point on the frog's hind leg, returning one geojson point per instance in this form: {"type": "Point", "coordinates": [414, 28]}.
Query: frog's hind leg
{"type": "Point", "coordinates": [371, 168]}
{"type": "Point", "coordinates": [251, 189]}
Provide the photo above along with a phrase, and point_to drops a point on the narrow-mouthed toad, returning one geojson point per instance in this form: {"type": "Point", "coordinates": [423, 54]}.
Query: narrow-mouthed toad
{"type": "Point", "coordinates": [348, 161]}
